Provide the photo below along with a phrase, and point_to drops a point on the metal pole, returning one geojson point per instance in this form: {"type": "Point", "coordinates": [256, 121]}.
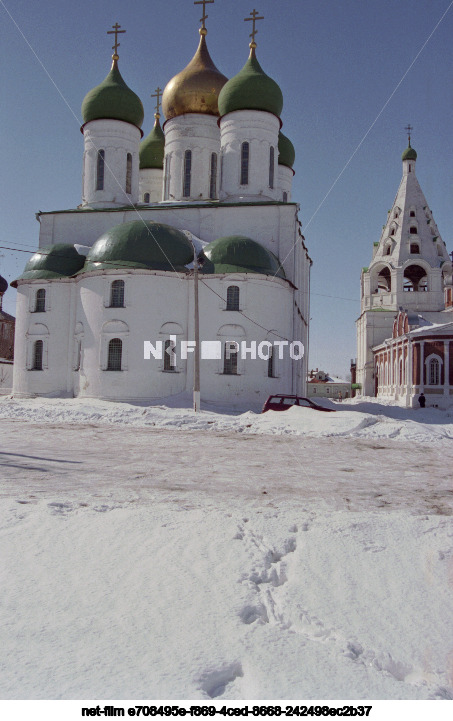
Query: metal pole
{"type": "Point", "coordinates": [196, 366]}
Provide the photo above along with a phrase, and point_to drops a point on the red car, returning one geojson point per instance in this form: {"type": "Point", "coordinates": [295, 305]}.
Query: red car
{"type": "Point", "coordinates": [282, 403]}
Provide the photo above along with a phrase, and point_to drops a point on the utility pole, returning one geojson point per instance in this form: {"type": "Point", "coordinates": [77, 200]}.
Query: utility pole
{"type": "Point", "coordinates": [196, 366]}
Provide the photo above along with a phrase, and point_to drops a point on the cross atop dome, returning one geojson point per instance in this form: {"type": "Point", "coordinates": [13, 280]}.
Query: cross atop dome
{"type": "Point", "coordinates": [253, 19]}
{"type": "Point", "coordinates": [116, 31]}
{"type": "Point", "coordinates": [203, 29]}
{"type": "Point", "coordinates": [157, 95]}
{"type": "Point", "coordinates": [409, 130]}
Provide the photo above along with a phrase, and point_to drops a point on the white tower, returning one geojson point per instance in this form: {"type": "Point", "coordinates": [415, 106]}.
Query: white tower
{"type": "Point", "coordinates": [192, 137]}
{"type": "Point", "coordinates": [408, 270]}
{"type": "Point", "coordinates": [112, 116]}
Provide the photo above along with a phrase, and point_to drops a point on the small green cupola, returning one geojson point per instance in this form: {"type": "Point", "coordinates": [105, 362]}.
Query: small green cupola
{"type": "Point", "coordinates": [286, 152]}
{"type": "Point", "coordinates": [240, 254]}
{"type": "Point", "coordinates": [409, 153]}
{"type": "Point", "coordinates": [56, 261]}
{"type": "Point", "coordinates": [251, 89]}
{"type": "Point", "coordinates": [152, 148]}
{"type": "Point", "coordinates": [113, 100]}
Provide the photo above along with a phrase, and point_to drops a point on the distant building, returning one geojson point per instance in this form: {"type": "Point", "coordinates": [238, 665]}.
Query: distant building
{"type": "Point", "coordinates": [405, 329]}
{"type": "Point", "coordinates": [321, 385]}
{"type": "Point", "coordinates": [7, 324]}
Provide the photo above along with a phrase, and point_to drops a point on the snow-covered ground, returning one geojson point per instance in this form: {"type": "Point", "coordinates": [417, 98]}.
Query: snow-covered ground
{"type": "Point", "coordinates": [148, 552]}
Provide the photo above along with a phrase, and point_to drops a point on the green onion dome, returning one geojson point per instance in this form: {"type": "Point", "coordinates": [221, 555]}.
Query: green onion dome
{"type": "Point", "coordinates": [239, 254]}
{"type": "Point", "coordinates": [251, 89]}
{"type": "Point", "coordinates": [3, 284]}
{"type": "Point", "coordinates": [140, 244]}
{"type": "Point", "coordinates": [409, 153]}
{"type": "Point", "coordinates": [113, 100]}
{"type": "Point", "coordinates": [286, 152]}
{"type": "Point", "coordinates": [56, 261]}
{"type": "Point", "coordinates": [152, 148]}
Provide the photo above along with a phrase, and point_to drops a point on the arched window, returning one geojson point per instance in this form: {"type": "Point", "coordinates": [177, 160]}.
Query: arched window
{"type": "Point", "coordinates": [187, 173]}
{"type": "Point", "coordinates": [434, 372]}
{"type": "Point", "coordinates": [245, 155]}
{"type": "Point", "coordinates": [40, 304]}
{"type": "Point", "coordinates": [232, 298]}
{"type": "Point", "coordinates": [213, 177]}
{"type": "Point", "coordinates": [167, 177]}
{"type": "Point", "coordinates": [412, 214]}
{"type": "Point", "coordinates": [100, 170]}
{"type": "Point", "coordinates": [388, 250]}
{"type": "Point", "coordinates": [413, 230]}
{"type": "Point", "coordinates": [114, 354]}
{"type": "Point", "coordinates": [146, 198]}
{"type": "Point", "coordinates": [38, 349]}
{"type": "Point", "coordinates": [270, 364]}
{"type": "Point", "coordinates": [271, 167]}
{"type": "Point", "coordinates": [285, 197]}
{"type": "Point", "coordinates": [415, 248]}
{"type": "Point", "coordinates": [169, 355]}
{"type": "Point", "coordinates": [129, 173]}
{"type": "Point", "coordinates": [230, 359]}
{"type": "Point", "coordinates": [117, 294]}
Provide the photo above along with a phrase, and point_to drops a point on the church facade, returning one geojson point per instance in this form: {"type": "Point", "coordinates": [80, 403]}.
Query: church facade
{"type": "Point", "coordinates": [211, 187]}
{"type": "Point", "coordinates": [405, 329]}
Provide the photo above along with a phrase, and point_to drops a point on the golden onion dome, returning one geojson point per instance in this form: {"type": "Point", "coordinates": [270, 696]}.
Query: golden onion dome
{"type": "Point", "coordinates": [196, 88]}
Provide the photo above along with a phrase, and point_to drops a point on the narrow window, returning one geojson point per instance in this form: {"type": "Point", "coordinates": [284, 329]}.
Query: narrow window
{"type": "Point", "coordinates": [117, 294]}
{"type": "Point", "coordinates": [115, 353]}
{"type": "Point", "coordinates": [213, 177]}
{"type": "Point", "coordinates": [38, 349]}
{"type": "Point", "coordinates": [40, 305]}
{"type": "Point", "coordinates": [146, 198]}
{"type": "Point", "coordinates": [270, 364]}
{"type": "Point", "coordinates": [434, 372]}
{"type": "Point", "coordinates": [230, 360]}
{"type": "Point", "coordinates": [78, 355]}
{"type": "Point", "coordinates": [169, 356]}
{"type": "Point", "coordinates": [285, 197]}
{"type": "Point", "coordinates": [187, 173]}
{"type": "Point", "coordinates": [232, 298]}
{"type": "Point", "coordinates": [271, 167]}
{"type": "Point", "coordinates": [413, 230]}
{"type": "Point", "coordinates": [245, 154]}
{"type": "Point", "coordinates": [389, 250]}
{"type": "Point", "coordinates": [410, 168]}
{"type": "Point", "coordinates": [412, 214]}
{"type": "Point", "coordinates": [415, 248]}
{"type": "Point", "coordinates": [100, 170]}
{"type": "Point", "coordinates": [129, 173]}
{"type": "Point", "coordinates": [167, 177]}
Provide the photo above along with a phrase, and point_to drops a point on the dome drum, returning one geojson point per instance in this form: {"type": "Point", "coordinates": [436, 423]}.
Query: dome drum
{"type": "Point", "coordinates": [260, 131]}
{"type": "Point", "coordinates": [107, 179]}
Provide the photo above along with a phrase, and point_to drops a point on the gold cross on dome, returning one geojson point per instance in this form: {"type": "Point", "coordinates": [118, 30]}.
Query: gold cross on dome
{"type": "Point", "coordinates": [116, 31]}
{"type": "Point", "coordinates": [157, 95]}
{"type": "Point", "coordinates": [254, 18]}
{"type": "Point", "coordinates": [409, 130]}
{"type": "Point", "coordinates": [204, 3]}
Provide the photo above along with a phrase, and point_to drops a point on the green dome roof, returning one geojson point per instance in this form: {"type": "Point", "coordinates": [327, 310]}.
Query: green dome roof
{"type": "Point", "coordinates": [113, 100]}
{"type": "Point", "coordinates": [251, 89]}
{"type": "Point", "coordinates": [409, 153]}
{"type": "Point", "coordinates": [286, 152]}
{"type": "Point", "coordinates": [152, 148]}
{"type": "Point", "coordinates": [239, 254]}
{"type": "Point", "coordinates": [57, 261]}
{"type": "Point", "coordinates": [140, 244]}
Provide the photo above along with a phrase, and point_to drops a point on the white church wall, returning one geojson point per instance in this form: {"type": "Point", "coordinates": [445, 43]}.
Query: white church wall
{"type": "Point", "coordinates": [150, 181]}
{"type": "Point", "coordinates": [260, 130]}
{"type": "Point", "coordinates": [199, 134]}
{"type": "Point", "coordinates": [117, 139]}
{"type": "Point", "coordinates": [285, 183]}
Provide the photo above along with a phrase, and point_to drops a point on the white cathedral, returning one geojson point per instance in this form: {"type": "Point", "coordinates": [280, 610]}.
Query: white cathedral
{"type": "Point", "coordinates": [213, 183]}
{"type": "Point", "coordinates": [405, 329]}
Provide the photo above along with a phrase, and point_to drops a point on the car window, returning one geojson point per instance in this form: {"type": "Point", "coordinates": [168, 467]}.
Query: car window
{"type": "Point", "coordinates": [303, 402]}
{"type": "Point", "coordinates": [274, 399]}
{"type": "Point", "coordinates": [289, 401]}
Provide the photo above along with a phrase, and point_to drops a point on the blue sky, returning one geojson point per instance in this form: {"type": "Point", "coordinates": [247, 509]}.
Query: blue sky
{"type": "Point", "coordinates": [337, 64]}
